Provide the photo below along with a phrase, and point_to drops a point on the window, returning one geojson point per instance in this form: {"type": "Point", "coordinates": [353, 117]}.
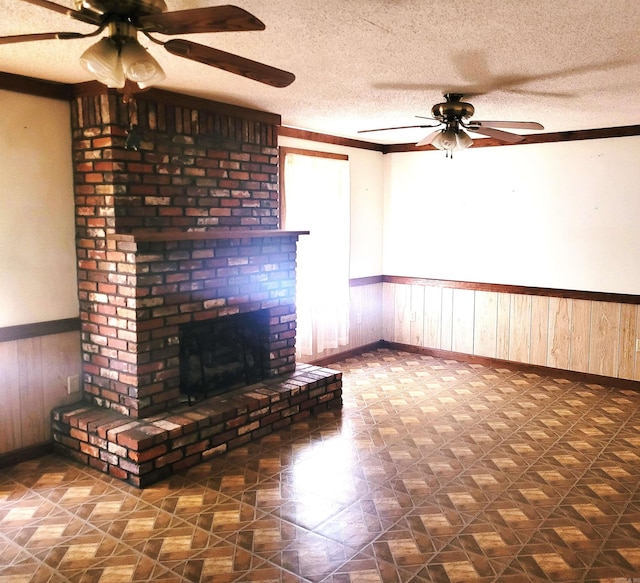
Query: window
{"type": "Point", "coordinates": [315, 197]}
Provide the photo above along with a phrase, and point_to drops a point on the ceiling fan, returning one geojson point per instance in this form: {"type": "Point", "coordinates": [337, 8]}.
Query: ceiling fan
{"type": "Point", "coordinates": [452, 117]}
{"type": "Point", "coordinates": [118, 60]}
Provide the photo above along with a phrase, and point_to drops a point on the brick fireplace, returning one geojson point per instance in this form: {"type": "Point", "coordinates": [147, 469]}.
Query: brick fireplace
{"type": "Point", "coordinates": [180, 231]}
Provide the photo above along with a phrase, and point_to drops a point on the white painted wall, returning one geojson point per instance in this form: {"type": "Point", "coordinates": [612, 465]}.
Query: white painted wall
{"type": "Point", "coordinates": [367, 183]}
{"type": "Point", "coordinates": [560, 215]}
{"type": "Point", "coordinates": [37, 237]}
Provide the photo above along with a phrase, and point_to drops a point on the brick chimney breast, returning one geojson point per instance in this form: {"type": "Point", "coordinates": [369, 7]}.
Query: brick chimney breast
{"type": "Point", "coordinates": [171, 236]}
{"type": "Point", "coordinates": [181, 229]}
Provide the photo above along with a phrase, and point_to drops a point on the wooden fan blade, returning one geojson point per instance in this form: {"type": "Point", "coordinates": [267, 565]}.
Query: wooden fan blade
{"type": "Point", "coordinates": [75, 14]}
{"type": "Point", "coordinates": [520, 125]}
{"type": "Point", "coordinates": [212, 19]}
{"type": "Point", "coordinates": [428, 139]}
{"type": "Point", "coordinates": [498, 134]}
{"type": "Point", "coordinates": [23, 38]}
{"type": "Point", "coordinates": [231, 63]}
{"type": "Point", "coordinates": [396, 128]}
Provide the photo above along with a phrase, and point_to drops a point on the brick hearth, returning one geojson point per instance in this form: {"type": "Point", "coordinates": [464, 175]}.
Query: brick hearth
{"type": "Point", "coordinates": [180, 231]}
{"type": "Point", "coordinates": [144, 451]}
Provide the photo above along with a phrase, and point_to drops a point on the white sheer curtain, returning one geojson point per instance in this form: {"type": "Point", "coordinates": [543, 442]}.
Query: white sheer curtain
{"type": "Point", "coordinates": [316, 199]}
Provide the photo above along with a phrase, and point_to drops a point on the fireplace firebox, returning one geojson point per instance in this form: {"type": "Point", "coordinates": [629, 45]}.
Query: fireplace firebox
{"type": "Point", "coordinates": [222, 354]}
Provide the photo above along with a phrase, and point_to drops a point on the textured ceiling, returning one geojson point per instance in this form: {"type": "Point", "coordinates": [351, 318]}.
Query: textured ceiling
{"type": "Point", "coordinates": [362, 64]}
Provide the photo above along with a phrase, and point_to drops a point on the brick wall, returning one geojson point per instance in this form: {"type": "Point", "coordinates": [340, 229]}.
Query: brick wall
{"type": "Point", "coordinates": [201, 168]}
{"type": "Point", "coordinates": [196, 168]}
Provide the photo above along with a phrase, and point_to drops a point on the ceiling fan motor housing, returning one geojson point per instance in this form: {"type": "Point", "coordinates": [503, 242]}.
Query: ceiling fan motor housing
{"type": "Point", "coordinates": [453, 109]}
{"type": "Point", "coordinates": [130, 8]}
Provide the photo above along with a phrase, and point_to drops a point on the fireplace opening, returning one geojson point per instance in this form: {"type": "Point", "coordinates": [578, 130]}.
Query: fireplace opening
{"type": "Point", "coordinates": [223, 354]}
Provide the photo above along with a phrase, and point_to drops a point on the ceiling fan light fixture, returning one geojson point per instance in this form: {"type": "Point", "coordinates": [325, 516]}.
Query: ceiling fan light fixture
{"type": "Point", "coordinates": [102, 60]}
{"type": "Point", "coordinates": [446, 139]}
{"type": "Point", "coordinates": [157, 77]}
{"type": "Point", "coordinates": [138, 65]}
{"type": "Point", "coordinates": [464, 140]}
{"type": "Point", "coordinates": [452, 139]}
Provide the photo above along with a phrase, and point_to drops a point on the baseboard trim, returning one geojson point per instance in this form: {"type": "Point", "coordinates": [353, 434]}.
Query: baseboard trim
{"type": "Point", "coordinates": [25, 454]}
{"type": "Point", "coordinates": [327, 360]}
{"type": "Point", "coordinates": [570, 375]}
{"type": "Point", "coordinates": [582, 377]}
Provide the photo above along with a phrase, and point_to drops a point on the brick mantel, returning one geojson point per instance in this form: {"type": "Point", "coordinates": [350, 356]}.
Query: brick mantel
{"type": "Point", "coordinates": [202, 235]}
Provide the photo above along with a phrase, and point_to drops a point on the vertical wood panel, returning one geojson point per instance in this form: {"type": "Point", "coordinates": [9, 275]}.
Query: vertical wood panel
{"type": "Point", "coordinates": [356, 315]}
{"type": "Point", "coordinates": [580, 334]}
{"type": "Point", "coordinates": [416, 326]}
{"type": "Point", "coordinates": [502, 330]}
{"type": "Point", "coordinates": [520, 328]}
{"type": "Point", "coordinates": [365, 315]}
{"type": "Point", "coordinates": [373, 319]}
{"type": "Point", "coordinates": [462, 322]}
{"type": "Point", "coordinates": [559, 351]}
{"type": "Point", "coordinates": [604, 338]}
{"type": "Point", "coordinates": [447, 319]}
{"type": "Point", "coordinates": [539, 330]}
{"type": "Point", "coordinates": [388, 302]}
{"type": "Point", "coordinates": [627, 342]}
{"type": "Point", "coordinates": [60, 359]}
{"type": "Point", "coordinates": [432, 316]}
{"type": "Point", "coordinates": [402, 310]}
{"type": "Point", "coordinates": [636, 372]}
{"type": "Point", "coordinates": [32, 412]}
{"type": "Point", "coordinates": [376, 312]}
{"type": "Point", "coordinates": [10, 437]}
{"type": "Point", "coordinates": [485, 323]}
{"type": "Point", "coordinates": [33, 380]}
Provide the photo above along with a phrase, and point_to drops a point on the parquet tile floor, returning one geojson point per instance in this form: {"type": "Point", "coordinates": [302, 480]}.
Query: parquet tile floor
{"type": "Point", "coordinates": [435, 470]}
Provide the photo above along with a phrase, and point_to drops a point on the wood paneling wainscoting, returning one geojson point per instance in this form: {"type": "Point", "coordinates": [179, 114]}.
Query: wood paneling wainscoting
{"type": "Point", "coordinates": [581, 332]}
{"type": "Point", "coordinates": [35, 361]}
{"type": "Point", "coordinates": [585, 332]}
{"type": "Point", "coordinates": [365, 319]}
